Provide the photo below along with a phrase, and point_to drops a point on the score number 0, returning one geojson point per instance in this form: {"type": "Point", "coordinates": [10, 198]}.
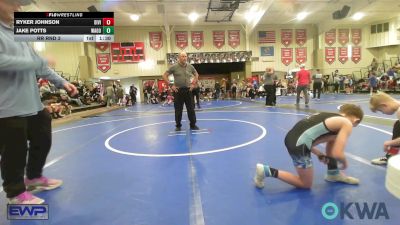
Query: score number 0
{"type": "Point", "coordinates": [108, 25]}
{"type": "Point", "coordinates": [108, 21]}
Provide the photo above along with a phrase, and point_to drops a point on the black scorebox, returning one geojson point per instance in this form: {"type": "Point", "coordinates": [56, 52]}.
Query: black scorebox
{"type": "Point", "coordinates": [64, 26]}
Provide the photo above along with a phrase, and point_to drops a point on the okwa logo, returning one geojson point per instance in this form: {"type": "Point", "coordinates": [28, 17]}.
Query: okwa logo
{"type": "Point", "coordinates": [355, 210]}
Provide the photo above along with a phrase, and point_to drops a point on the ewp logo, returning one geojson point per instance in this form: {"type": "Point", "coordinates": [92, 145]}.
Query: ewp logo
{"type": "Point", "coordinates": [27, 212]}
{"type": "Point", "coordinates": [378, 209]}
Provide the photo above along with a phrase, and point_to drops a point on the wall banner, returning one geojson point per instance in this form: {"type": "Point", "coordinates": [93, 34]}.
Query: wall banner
{"type": "Point", "coordinates": [343, 36]}
{"type": "Point", "coordinates": [356, 36]}
{"type": "Point", "coordinates": [286, 56]}
{"type": "Point", "coordinates": [156, 41]}
{"type": "Point", "coordinates": [330, 54]}
{"type": "Point", "coordinates": [103, 62]}
{"type": "Point", "coordinates": [197, 39]}
{"type": "Point", "coordinates": [343, 54]}
{"type": "Point", "coordinates": [356, 54]}
{"type": "Point", "coordinates": [301, 36]}
{"type": "Point", "coordinates": [181, 39]}
{"type": "Point", "coordinates": [301, 55]}
{"type": "Point", "coordinates": [330, 37]}
{"type": "Point", "coordinates": [102, 46]}
{"type": "Point", "coordinates": [219, 38]}
{"type": "Point", "coordinates": [233, 38]}
{"type": "Point", "coordinates": [286, 37]}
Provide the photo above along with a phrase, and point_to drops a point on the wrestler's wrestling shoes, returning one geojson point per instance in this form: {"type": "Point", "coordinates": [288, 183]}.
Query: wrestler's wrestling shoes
{"type": "Point", "coordinates": [342, 178]}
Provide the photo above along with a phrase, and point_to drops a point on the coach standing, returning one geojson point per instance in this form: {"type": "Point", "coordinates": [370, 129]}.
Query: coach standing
{"type": "Point", "coordinates": [182, 88]}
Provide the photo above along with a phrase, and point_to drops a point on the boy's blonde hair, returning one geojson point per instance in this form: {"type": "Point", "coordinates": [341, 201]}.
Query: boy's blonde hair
{"type": "Point", "coordinates": [378, 99]}
{"type": "Point", "coordinates": [352, 110]}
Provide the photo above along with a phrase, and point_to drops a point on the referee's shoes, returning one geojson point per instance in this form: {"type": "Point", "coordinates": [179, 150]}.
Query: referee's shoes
{"type": "Point", "coordinates": [194, 127]}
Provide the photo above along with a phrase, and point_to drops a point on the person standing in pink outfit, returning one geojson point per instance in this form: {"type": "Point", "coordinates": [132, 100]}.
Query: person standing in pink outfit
{"type": "Point", "coordinates": [303, 80]}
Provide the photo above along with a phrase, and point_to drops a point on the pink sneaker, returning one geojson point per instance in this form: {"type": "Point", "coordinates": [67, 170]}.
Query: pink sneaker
{"type": "Point", "coordinates": [42, 184]}
{"type": "Point", "coordinates": [25, 198]}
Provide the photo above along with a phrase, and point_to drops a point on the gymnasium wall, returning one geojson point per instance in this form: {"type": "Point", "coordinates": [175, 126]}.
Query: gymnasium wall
{"type": "Point", "coordinates": [67, 54]}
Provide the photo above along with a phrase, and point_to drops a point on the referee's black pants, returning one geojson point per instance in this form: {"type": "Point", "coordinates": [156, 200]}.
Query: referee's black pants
{"type": "Point", "coordinates": [270, 97]}
{"type": "Point", "coordinates": [184, 96]}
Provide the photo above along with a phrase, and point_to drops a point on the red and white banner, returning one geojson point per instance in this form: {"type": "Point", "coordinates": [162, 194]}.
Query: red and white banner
{"type": "Point", "coordinates": [219, 38]}
{"type": "Point", "coordinates": [156, 41]}
{"type": "Point", "coordinates": [181, 39]}
{"type": "Point", "coordinates": [197, 39]}
{"type": "Point", "coordinates": [301, 36]}
{"type": "Point", "coordinates": [103, 62]}
{"type": "Point", "coordinates": [356, 54]}
{"type": "Point", "coordinates": [330, 54]}
{"type": "Point", "coordinates": [343, 36]}
{"type": "Point", "coordinates": [330, 37]}
{"type": "Point", "coordinates": [286, 56]}
{"type": "Point", "coordinates": [266, 37]}
{"type": "Point", "coordinates": [286, 37]}
{"type": "Point", "coordinates": [343, 54]}
{"type": "Point", "coordinates": [233, 38]}
{"type": "Point", "coordinates": [356, 36]}
{"type": "Point", "coordinates": [301, 55]}
{"type": "Point", "coordinates": [102, 46]}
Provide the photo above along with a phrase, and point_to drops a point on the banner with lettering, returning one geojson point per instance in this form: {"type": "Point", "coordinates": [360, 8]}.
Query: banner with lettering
{"type": "Point", "coordinates": [343, 36]}
{"type": "Point", "coordinates": [301, 55]}
{"type": "Point", "coordinates": [343, 54]}
{"type": "Point", "coordinates": [103, 62]}
{"type": "Point", "coordinates": [286, 37]}
{"type": "Point", "coordinates": [219, 38]}
{"type": "Point", "coordinates": [181, 39]}
{"type": "Point", "coordinates": [330, 37]}
{"type": "Point", "coordinates": [233, 38]}
{"type": "Point", "coordinates": [356, 54]}
{"type": "Point", "coordinates": [356, 36]}
{"type": "Point", "coordinates": [301, 36]}
{"type": "Point", "coordinates": [286, 56]}
{"type": "Point", "coordinates": [330, 54]}
{"type": "Point", "coordinates": [102, 46]}
{"type": "Point", "coordinates": [156, 41]}
{"type": "Point", "coordinates": [197, 39]}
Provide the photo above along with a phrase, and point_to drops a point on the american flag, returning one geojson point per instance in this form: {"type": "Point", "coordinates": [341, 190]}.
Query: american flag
{"type": "Point", "coordinates": [266, 36]}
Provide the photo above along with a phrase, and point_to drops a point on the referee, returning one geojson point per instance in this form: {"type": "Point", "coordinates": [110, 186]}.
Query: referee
{"type": "Point", "coordinates": [182, 88]}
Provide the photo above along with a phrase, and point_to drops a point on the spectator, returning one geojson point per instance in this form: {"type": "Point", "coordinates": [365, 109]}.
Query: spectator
{"type": "Point", "coordinates": [169, 99]}
{"type": "Point", "coordinates": [22, 117]}
{"type": "Point", "coordinates": [374, 65]}
{"type": "Point", "coordinates": [303, 79]}
{"type": "Point", "coordinates": [109, 95]}
{"type": "Point", "coordinates": [317, 85]}
{"type": "Point", "coordinates": [234, 89]}
{"type": "Point", "coordinates": [372, 83]}
{"type": "Point", "coordinates": [196, 96]}
{"type": "Point", "coordinates": [269, 86]}
{"type": "Point", "coordinates": [120, 94]}
{"type": "Point", "coordinates": [132, 93]}
{"type": "Point", "coordinates": [217, 90]}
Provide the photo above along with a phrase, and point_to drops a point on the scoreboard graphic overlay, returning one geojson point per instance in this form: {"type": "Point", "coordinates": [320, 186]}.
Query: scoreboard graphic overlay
{"type": "Point", "coordinates": [64, 26]}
